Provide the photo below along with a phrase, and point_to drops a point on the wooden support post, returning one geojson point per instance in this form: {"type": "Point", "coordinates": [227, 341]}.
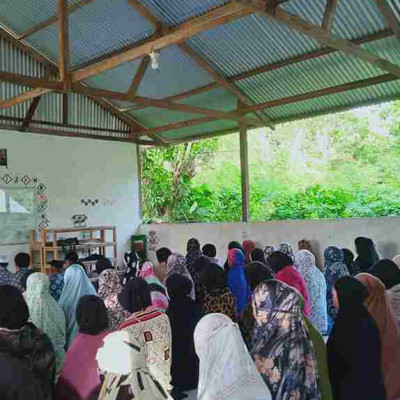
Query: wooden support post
{"type": "Point", "coordinates": [244, 167]}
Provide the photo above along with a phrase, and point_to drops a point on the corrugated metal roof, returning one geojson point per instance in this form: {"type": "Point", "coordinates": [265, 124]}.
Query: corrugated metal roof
{"type": "Point", "coordinates": [207, 128]}
{"type": "Point", "coordinates": [94, 30]}
{"type": "Point", "coordinates": [216, 99]}
{"type": "Point", "coordinates": [172, 13]}
{"type": "Point", "coordinates": [395, 5]}
{"type": "Point", "coordinates": [318, 73]}
{"type": "Point", "coordinates": [249, 43]}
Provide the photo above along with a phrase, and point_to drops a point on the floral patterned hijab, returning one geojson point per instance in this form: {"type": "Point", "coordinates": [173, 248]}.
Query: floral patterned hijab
{"type": "Point", "coordinates": [334, 269]}
{"type": "Point", "coordinates": [176, 264]}
{"type": "Point", "coordinates": [282, 349]}
{"type": "Point", "coordinates": [287, 249]}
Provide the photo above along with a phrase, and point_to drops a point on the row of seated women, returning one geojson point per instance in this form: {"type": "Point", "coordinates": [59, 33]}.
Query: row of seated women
{"type": "Point", "coordinates": [150, 339]}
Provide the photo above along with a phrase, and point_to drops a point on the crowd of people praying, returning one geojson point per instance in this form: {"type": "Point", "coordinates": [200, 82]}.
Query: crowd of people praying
{"type": "Point", "coordinates": [260, 323]}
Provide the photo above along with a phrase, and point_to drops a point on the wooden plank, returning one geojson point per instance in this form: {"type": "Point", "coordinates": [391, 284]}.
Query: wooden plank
{"type": "Point", "coordinates": [244, 169]}
{"type": "Point", "coordinates": [389, 16]}
{"type": "Point", "coordinates": [271, 67]}
{"type": "Point", "coordinates": [322, 92]}
{"type": "Point", "coordinates": [138, 78]}
{"type": "Point", "coordinates": [29, 115]}
{"type": "Point", "coordinates": [30, 94]}
{"type": "Point", "coordinates": [307, 28]}
{"type": "Point", "coordinates": [329, 15]}
{"type": "Point", "coordinates": [221, 80]}
{"type": "Point", "coordinates": [53, 20]}
{"type": "Point", "coordinates": [209, 20]}
{"type": "Point", "coordinates": [63, 42]}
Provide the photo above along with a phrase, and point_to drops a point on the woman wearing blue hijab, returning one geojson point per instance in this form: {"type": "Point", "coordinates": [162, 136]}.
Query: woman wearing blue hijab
{"type": "Point", "coordinates": [76, 285]}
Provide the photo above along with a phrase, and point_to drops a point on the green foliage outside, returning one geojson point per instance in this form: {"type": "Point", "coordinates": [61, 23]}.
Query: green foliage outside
{"type": "Point", "coordinates": [335, 166]}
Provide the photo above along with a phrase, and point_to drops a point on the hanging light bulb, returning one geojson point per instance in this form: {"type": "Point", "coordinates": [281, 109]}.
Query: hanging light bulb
{"type": "Point", "coordinates": [155, 59]}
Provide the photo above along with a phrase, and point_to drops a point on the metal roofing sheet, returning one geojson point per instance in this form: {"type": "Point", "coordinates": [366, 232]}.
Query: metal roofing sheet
{"type": "Point", "coordinates": [395, 6]}
{"type": "Point", "coordinates": [318, 73]}
{"type": "Point", "coordinates": [94, 30]}
{"type": "Point", "coordinates": [353, 18]}
{"type": "Point", "coordinates": [216, 99]}
{"type": "Point", "coordinates": [248, 43]}
{"type": "Point", "coordinates": [173, 12]}
{"type": "Point", "coordinates": [177, 73]}
{"type": "Point", "coordinates": [207, 128]}
{"type": "Point", "coordinates": [9, 90]}
{"type": "Point", "coordinates": [382, 91]}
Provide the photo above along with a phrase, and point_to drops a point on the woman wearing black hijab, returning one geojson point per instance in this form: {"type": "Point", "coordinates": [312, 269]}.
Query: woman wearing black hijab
{"type": "Point", "coordinates": [367, 255]}
{"type": "Point", "coordinates": [21, 340]}
{"type": "Point", "coordinates": [353, 348]}
{"type": "Point", "coordinates": [184, 314]}
{"type": "Point", "coordinates": [349, 261]}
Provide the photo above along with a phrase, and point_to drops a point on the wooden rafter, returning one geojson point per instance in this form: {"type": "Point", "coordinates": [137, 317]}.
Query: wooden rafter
{"type": "Point", "coordinates": [272, 67]}
{"type": "Point", "coordinates": [222, 81]}
{"type": "Point", "coordinates": [307, 28]}
{"type": "Point", "coordinates": [29, 115]}
{"type": "Point", "coordinates": [63, 41]}
{"type": "Point", "coordinates": [138, 78]}
{"type": "Point", "coordinates": [53, 20]}
{"type": "Point", "coordinates": [28, 95]}
{"type": "Point", "coordinates": [329, 15]}
{"type": "Point", "coordinates": [389, 16]}
{"type": "Point", "coordinates": [209, 20]}
{"type": "Point", "coordinates": [145, 13]}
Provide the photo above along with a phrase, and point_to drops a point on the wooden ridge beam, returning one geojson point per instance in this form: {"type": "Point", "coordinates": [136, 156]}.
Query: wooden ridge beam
{"type": "Point", "coordinates": [63, 42]}
{"type": "Point", "coordinates": [209, 20]}
{"type": "Point", "coordinates": [322, 92]}
{"type": "Point", "coordinates": [222, 81]}
{"type": "Point", "coordinates": [386, 33]}
{"type": "Point", "coordinates": [329, 15]}
{"type": "Point", "coordinates": [138, 78]}
{"type": "Point", "coordinates": [307, 28]}
{"type": "Point", "coordinates": [389, 16]}
{"type": "Point", "coordinates": [53, 20]}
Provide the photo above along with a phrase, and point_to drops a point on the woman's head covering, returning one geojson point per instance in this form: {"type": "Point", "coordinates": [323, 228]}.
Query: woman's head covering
{"type": "Point", "coordinates": [14, 312]}
{"type": "Point", "coordinates": [268, 251]}
{"type": "Point", "coordinates": [176, 264]}
{"type": "Point", "coordinates": [367, 255]}
{"type": "Point", "coordinates": [387, 272]}
{"type": "Point", "coordinates": [103, 264]}
{"type": "Point", "coordinates": [305, 244]}
{"type": "Point", "coordinates": [279, 260]}
{"type": "Point", "coordinates": [45, 313]}
{"type": "Point", "coordinates": [226, 368]}
{"type": "Point", "coordinates": [396, 260]}
{"type": "Point", "coordinates": [350, 292]}
{"type": "Point", "coordinates": [123, 361]}
{"type": "Point", "coordinates": [378, 306]}
{"type": "Point", "coordinates": [286, 248]}
{"type": "Point", "coordinates": [282, 350]}
{"type": "Point", "coordinates": [235, 245]}
{"type": "Point", "coordinates": [131, 261]}
{"type": "Point", "coordinates": [256, 273]}
{"type": "Point", "coordinates": [334, 269]}
{"type": "Point", "coordinates": [258, 255]}
{"type": "Point", "coordinates": [178, 286]}
{"type": "Point", "coordinates": [349, 261]}
{"type": "Point", "coordinates": [135, 296]}
{"type": "Point", "coordinates": [193, 253]}
{"type": "Point", "coordinates": [248, 246]}
{"type": "Point", "coordinates": [316, 287]}
{"type": "Point", "coordinates": [109, 283]}
{"type": "Point", "coordinates": [213, 278]}
{"type": "Point", "coordinates": [91, 315]}
{"type": "Point", "coordinates": [237, 280]}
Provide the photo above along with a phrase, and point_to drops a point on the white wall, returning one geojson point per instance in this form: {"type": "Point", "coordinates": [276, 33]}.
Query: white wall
{"type": "Point", "coordinates": [72, 169]}
{"type": "Point", "coordinates": [341, 232]}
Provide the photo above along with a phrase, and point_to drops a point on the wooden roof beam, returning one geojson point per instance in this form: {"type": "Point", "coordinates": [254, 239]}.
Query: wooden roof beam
{"type": "Point", "coordinates": [145, 13]}
{"type": "Point", "coordinates": [307, 28]}
{"type": "Point", "coordinates": [329, 15]}
{"type": "Point", "coordinates": [222, 81]}
{"type": "Point", "coordinates": [53, 20]}
{"type": "Point", "coordinates": [138, 78]}
{"type": "Point", "coordinates": [218, 16]}
{"type": "Point", "coordinates": [63, 42]}
{"type": "Point", "coordinates": [389, 16]}
{"type": "Point", "coordinates": [271, 67]}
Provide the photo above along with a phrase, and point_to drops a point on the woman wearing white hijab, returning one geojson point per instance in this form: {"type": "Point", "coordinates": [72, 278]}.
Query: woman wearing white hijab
{"type": "Point", "coordinates": [226, 369]}
{"type": "Point", "coordinates": [76, 285]}
{"type": "Point", "coordinates": [46, 314]}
